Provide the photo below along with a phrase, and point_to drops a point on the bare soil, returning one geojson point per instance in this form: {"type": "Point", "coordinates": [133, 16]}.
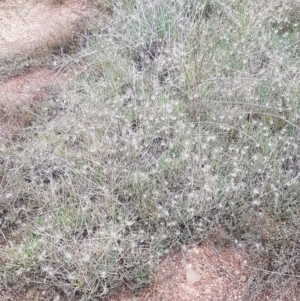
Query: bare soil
{"type": "Point", "coordinates": [20, 96]}
{"type": "Point", "coordinates": [32, 85]}
{"type": "Point", "coordinates": [31, 25]}
{"type": "Point", "coordinates": [27, 29]}
{"type": "Point", "coordinates": [200, 273]}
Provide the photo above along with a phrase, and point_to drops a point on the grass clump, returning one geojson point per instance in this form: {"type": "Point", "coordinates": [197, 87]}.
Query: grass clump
{"type": "Point", "coordinates": [186, 123]}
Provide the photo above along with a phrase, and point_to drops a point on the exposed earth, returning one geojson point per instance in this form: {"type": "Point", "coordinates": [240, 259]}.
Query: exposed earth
{"type": "Point", "coordinates": [28, 26]}
{"type": "Point", "coordinates": [201, 273]}
{"type": "Point", "coordinates": [30, 32]}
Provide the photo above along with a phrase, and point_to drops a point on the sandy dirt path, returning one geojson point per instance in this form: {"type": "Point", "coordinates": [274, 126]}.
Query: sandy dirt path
{"type": "Point", "coordinates": [31, 25]}
{"type": "Point", "coordinates": [30, 29]}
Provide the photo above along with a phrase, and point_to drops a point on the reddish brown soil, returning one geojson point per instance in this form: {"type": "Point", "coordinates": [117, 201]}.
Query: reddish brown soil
{"type": "Point", "coordinates": [19, 97]}
{"type": "Point", "coordinates": [198, 273]}
{"type": "Point", "coordinates": [29, 86]}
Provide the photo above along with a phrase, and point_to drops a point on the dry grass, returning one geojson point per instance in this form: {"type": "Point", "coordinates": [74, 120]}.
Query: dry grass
{"type": "Point", "coordinates": [184, 126]}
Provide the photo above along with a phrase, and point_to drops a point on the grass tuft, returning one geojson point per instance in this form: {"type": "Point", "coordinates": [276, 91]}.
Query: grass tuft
{"type": "Point", "coordinates": [185, 127]}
